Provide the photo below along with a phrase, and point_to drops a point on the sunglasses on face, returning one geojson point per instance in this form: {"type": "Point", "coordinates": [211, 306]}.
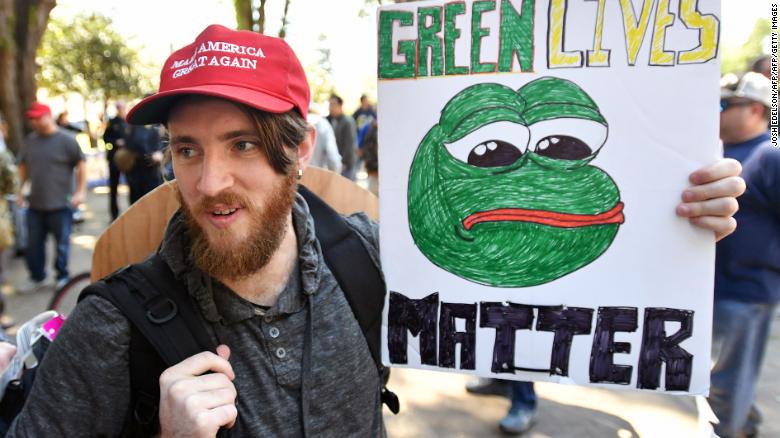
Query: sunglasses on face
{"type": "Point", "coordinates": [726, 104]}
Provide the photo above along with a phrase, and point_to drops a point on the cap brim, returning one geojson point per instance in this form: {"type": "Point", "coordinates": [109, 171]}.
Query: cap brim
{"type": "Point", "coordinates": [155, 108]}
{"type": "Point", "coordinates": [31, 115]}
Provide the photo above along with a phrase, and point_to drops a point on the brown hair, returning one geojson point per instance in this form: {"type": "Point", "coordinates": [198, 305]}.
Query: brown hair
{"type": "Point", "coordinates": [278, 132]}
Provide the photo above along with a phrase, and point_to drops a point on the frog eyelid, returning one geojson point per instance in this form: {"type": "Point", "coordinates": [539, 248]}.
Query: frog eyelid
{"type": "Point", "coordinates": [592, 133]}
{"type": "Point", "coordinates": [510, 132]}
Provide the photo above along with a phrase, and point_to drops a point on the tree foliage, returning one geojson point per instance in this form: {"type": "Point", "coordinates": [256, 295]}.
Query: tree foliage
{"type": "Point", "coordinates": [320, 73]}
{"type": "Point", "coordinates": [88, 57]}
{"type": "Point", "coordinates": [738, 60]}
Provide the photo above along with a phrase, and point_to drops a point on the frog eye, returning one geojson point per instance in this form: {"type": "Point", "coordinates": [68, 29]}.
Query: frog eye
{"type": "Point", "coordinates": [493, 145]}
{"type": "Point", "coordinates": [567, 139]}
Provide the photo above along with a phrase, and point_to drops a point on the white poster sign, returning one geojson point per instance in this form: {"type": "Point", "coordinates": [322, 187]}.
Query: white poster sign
{"type": "Point", "coordinates": [532, 154]}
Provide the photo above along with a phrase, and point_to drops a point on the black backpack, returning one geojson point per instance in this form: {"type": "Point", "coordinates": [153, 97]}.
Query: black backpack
{"type": "Point", "coordinates": [167, 327]}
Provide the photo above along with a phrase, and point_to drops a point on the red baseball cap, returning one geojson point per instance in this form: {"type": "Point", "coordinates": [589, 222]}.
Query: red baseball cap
{"type": "Point", "coordinates": [37, 110]}
{"type": "Point", "coordinates": [247, 67]}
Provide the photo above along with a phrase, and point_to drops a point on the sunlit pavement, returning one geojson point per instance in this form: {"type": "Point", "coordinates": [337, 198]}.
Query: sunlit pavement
{"type": "Point", "coordinates": [435, 404]}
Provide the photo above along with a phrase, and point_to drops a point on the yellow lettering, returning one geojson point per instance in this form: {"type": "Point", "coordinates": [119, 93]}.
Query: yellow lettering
{"type": "Point", "coordinates": [599, 57]}
{"type": "Point", "coordinates": [556, 56]}
{"type": "Point", "coordinates": [635, 29]}
{"type": "Point", "coordinates": [709, 28]}
{"type": "Point", "coordinates": [663, 19]}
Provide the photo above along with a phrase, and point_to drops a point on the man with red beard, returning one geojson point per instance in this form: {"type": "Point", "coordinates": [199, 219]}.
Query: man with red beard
{"type": "Point", "coordinates": [291, 358]}
{"type": "Point", "coordinates": [244, 246]}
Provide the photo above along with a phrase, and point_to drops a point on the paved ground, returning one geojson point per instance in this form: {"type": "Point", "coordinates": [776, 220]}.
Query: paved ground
{"type": "Point", "coordinates": [436, 405]}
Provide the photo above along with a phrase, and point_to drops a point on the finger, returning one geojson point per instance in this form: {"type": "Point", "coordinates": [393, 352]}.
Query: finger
{"type": "Point", "coordinates": [721, 207]}
{"type": "Point", "coordinates": [201, 401]}
{"type": "Point", "coordinates": [208, 382]}
{"type": "Point", "coordinates": [732, 186]}
{"type": "Point", "coordinates": [231, 413]}
{"type": "Point", "coordinates": [223, 351]}
{"type": "Point", "coordinates": [213, 419]}
{"type": "Point", "coordinates": [723, 168]}
{"type": "Point", "coordinates": [197, 365]}
{"type": "Point", "coordinates": [722, 226]}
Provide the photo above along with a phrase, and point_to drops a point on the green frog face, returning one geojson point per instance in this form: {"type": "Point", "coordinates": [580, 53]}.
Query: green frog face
{"type": "Point", "coordinates": [501, 191]}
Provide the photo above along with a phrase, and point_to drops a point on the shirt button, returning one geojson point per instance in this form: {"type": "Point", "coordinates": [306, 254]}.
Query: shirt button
{"type": "Point", "coordinates": [274, 332]}
{"type": "Point", "coordinates": [268, 318]}
{"type": "Point", "coordinates": [281, 353]}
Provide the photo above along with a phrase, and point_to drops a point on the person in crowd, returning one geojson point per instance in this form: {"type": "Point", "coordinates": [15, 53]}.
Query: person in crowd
{"type": "Point", "coordinates": [522, 411]}
{"type": "Point", "coordinates": [762, 65]}
{"type": "Point", "coordinates": [49, 160]}
{"type": "Point", "coordinates": [363, 116]}
{"type": "Point", "coordinates": [326, 152]}
{"type": "Point", "coordinates": [747, 263]}
{"type": "Point", "coordinates": [115, 137]}
{"type": "Point", "coordinates": [243, 245]}
{"type": "Point", "coordinates": [64, 123]}
{"type": "Point", "coordinates": [370, 153]}
{"type": "Point", "coordinates": [344, 128]}
{"type": "Point", "coordinates": [145, 175]}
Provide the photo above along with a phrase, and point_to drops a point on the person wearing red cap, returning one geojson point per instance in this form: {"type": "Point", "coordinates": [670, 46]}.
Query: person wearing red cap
{"type": "Point", "coordinates": [48, 160]}
{"type": "Point", "coordinates": [291, 360]}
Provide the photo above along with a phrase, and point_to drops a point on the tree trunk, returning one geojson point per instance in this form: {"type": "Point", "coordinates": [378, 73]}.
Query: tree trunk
{"type": "Point", "coordinates": [22, 24]}
{"type": "Point", "coordinates": [244, 14]}
{"type": "Point", "coordinates": [261, 17]}
{"type": "Point", "coordinates": [9, 98]}
{"type": "Point", "coordinates": [283, 30]}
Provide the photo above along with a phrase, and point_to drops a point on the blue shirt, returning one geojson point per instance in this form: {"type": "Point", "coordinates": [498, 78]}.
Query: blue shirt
{"type": "Point", "coordinates": [747, 263]}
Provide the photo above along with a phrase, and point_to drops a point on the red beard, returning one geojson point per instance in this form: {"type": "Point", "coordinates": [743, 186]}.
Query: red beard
{"type": "Point", "coordinates": [227, 258]}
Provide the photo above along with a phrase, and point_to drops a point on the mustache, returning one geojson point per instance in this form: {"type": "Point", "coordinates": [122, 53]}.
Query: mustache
{"type": "Point", "coordinates": [208, 204]}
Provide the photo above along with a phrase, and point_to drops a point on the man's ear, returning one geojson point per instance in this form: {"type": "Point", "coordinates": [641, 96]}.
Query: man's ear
{"type": "Point", "coordinates": [758, 109]}
{"type": "Point", "coordinates": [306, 148]}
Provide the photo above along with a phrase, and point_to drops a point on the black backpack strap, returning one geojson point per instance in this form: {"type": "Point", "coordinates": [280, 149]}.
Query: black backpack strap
{"type": "Point", "coordinates": [169, 306]}
{"type": "Point", "coordinates": [166, 329]}
{"type": "Point", "coordinates": [356, 274]}
{"type": "Point", "coordinates": [159, 307]}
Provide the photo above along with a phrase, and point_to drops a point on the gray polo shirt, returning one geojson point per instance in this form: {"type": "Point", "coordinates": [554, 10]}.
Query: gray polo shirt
{"type": "Point", "coordinates": [50, 161]}
{"type": "Point", "coordinates": [82, 386]}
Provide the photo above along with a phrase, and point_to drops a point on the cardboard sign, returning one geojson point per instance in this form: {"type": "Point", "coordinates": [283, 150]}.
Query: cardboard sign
{"type": "Point", "coordinates": [532, 155]}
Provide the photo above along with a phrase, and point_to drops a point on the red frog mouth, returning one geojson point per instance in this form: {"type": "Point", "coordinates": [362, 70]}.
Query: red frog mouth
{"type": "Point", "coordinates": [551, 218]}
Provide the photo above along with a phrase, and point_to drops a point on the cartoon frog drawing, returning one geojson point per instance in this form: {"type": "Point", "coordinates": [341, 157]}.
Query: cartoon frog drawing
{"type": "Point", "coordinates": [501, 190]}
